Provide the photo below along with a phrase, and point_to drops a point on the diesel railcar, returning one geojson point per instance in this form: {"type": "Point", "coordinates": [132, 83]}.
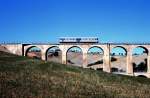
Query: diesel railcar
{"type": "Point", "coordinates": [78, 40]}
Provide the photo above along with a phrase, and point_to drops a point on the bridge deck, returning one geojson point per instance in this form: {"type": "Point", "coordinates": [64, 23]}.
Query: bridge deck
{"type": "Point", "coordinates": [32, 43]}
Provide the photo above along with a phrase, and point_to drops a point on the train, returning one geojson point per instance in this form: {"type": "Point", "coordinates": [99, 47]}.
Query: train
{"type": "Point", "coordinates": [78, 40]}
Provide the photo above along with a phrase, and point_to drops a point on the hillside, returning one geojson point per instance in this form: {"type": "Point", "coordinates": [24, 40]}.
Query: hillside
{"type": "Point", "coordinates": [22, 77]}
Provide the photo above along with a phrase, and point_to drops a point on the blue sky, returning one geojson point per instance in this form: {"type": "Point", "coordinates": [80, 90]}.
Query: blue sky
{"type": "Point", "coordinates": [46, 20]}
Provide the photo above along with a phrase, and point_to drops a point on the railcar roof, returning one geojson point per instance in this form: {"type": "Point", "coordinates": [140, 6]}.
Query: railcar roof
{"type": "Point", "coordinates": [78, 37]}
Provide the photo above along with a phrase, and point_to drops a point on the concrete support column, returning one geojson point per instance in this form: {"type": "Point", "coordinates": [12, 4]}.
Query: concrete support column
{"type": "Point", "coordinates": [84, 59]}
{"type": "Point", "coordinates": [25, 50]}
{"type": "Point", "coordinates": [106, 59]}
{"type": "Point", "coordinates": [148, 64]}
{"type": "Point", "coordinates": [63, 49]}
{"type": "Point", "coordinates": [24, 53]}
{"type": "Point", "coordinates": [129, 62]}
{"type": "Point", "coordinates": [43, 56]}
{"type": "Point", "coordinates": [64, 57]}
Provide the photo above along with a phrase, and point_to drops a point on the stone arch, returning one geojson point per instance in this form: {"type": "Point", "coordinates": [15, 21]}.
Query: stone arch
{"type": "Point", "coordinates": [143, 47]}
{"type": "Point", "coordinates": [120, 47]}
{"type": "Point", "coordinates": [96, 47]}
{"type": "Point", "coordinates": [74, 56]}
{"type": "Point", "coordinates": [95, 57]}
{"type": "Point", "coordinates": [140, 59]}
{"type": "Point", "coordinates": [36, 54]}
{"type": "Point", "coordinates": [118, 59]}
{"type": "Point", "coordinates": [54, 53]}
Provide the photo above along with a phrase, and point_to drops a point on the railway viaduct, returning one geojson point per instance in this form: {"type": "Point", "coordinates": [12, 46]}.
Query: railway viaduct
{"type": "Point", "coordinates": [21, 49]}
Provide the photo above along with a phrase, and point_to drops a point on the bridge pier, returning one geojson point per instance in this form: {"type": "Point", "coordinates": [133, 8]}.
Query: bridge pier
{"type": "Point", "coordinates": [148, 64]}
{"type": "Point", "coordinates": [43, 56]}
{"type": "Point", "coordinates": [64, 57]}
{"type": "Point", "coordinates": [106, 61]}
{"type": "Point", "coordinates": [64, 54]}
{"type": "Point", "coordinates": [84, 59]}
{"type": "Point", "coordinates": [129, 62]}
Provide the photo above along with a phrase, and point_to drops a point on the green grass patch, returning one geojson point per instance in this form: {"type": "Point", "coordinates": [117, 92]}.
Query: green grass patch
{"type": "Point", "coordinates": [22, 77]}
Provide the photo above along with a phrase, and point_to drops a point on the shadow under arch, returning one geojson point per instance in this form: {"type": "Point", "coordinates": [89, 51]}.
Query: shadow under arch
{"type": "Point", "coordinates": [118, 59]}
{"type": "Point", "coordinates": [143, 76]}
{"type": "Point", "coordinates": [74, 56]}
{"type": "Point", "coordinates": [35, 53]}
{"type": "Point", "coordinates": [54, 53]}
{"type": "Point", "coordinates": [95, 57]}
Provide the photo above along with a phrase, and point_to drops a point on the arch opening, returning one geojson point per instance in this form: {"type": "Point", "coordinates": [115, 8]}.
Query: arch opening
{"type": "Point", "coordinates": [118, 57]}
{"type": "Point", "coordinates": [139, 59]}
{"type": "Point", "coordinates": [142, 76]}
{"type": "Point", "coordinates": [74, 56]}
{"type": "Point", "coordinates": [33, 52]}
{"type": "Point", "coordinates": [95, 58]}
{"type": "Point", "coordinates": [54, 54]}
